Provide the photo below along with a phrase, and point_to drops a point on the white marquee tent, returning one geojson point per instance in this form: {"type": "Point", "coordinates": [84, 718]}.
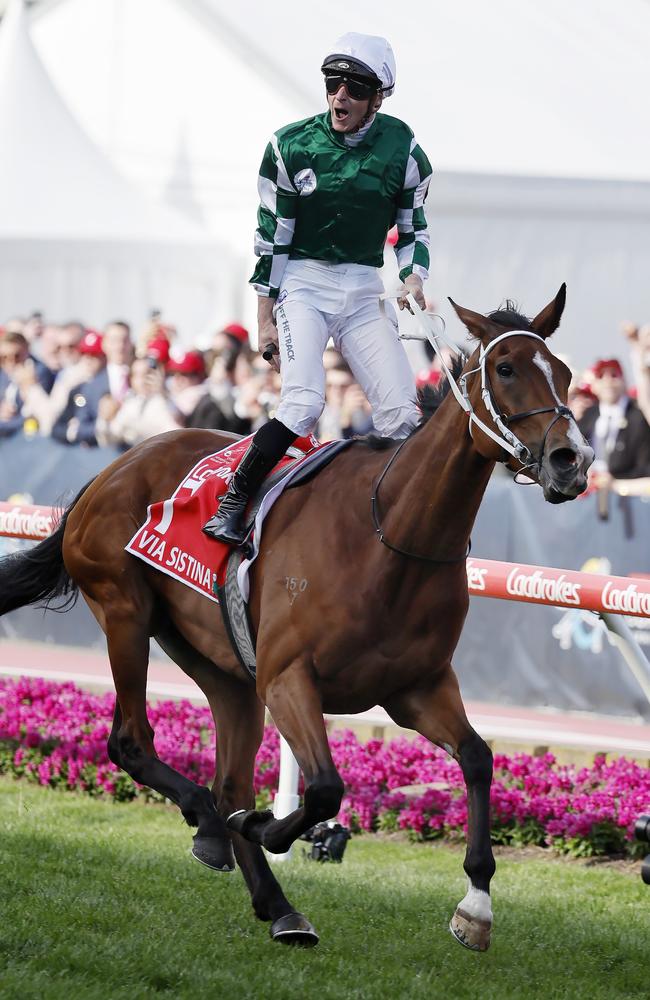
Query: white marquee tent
{"type": "Point", "coordinates": [535, 116]}
{"type": "Point", "coordinates": [76, 238]}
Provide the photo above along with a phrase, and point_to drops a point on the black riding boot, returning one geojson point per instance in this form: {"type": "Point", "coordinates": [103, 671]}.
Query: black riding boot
{"type": "Point", "coordinates": [265, 450]}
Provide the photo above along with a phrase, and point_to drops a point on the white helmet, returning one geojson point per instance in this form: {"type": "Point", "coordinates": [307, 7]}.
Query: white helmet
{"type": "Point", "coordinates": [364, 55]}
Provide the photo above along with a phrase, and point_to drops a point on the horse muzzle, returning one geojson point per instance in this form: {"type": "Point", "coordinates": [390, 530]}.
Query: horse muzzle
{"type": "Point", "coordinates": [563, 472]}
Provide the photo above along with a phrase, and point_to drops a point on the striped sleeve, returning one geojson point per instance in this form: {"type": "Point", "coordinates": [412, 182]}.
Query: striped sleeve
{"type": "Point", "coordinates": [412, 247]}
{"type": "Point", "coordinates": [276, 221]}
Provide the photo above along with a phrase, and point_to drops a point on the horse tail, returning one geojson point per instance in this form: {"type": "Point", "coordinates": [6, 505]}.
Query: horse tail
{"type": "Point", "coordinates": [38, 575]}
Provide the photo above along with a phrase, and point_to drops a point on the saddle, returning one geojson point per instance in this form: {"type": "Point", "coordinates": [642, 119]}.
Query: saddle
{"type": "Point", "coordinates": [234, 606]}
{"type": "Point", "coordinates": [171, 541]}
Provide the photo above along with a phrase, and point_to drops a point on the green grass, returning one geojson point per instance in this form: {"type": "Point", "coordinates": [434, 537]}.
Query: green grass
{"type": "Point", "coordinates": [102, 900]}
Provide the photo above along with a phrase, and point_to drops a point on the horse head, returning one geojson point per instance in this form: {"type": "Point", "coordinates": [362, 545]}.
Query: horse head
{"type": "Point", "coordinates": [516, 391]}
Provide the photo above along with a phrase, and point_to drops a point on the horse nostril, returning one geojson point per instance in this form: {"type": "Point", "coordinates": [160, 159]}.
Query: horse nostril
{"type": "Point", "coordinates": [564, 460]}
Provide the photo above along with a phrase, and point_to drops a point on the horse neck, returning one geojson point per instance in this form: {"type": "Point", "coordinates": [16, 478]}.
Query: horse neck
{"type": "Point", "coordinates": [434, 489]}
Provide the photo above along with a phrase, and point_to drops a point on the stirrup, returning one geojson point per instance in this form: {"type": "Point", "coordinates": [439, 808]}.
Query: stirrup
{"type": "Point", "coordinates": [228, 527]}
{"type": "Point", "coordinates": [228, 524]}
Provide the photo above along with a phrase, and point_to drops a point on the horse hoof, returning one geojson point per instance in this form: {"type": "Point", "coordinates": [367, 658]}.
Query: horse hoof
{"type": "Point", "coordinates": [471, 932]}
{"type": "Point", "coordinates": [214, 852]}
{"type": "Point", "coordinates": [293, 928]}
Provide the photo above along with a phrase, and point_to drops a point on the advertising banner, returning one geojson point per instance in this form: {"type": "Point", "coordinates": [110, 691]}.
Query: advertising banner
{"type": "Point", "coordinates": [512, 652]}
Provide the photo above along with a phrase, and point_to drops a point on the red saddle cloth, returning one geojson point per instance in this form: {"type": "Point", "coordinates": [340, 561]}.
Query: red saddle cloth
{"type": "Point", "coordinates": [171, 538]}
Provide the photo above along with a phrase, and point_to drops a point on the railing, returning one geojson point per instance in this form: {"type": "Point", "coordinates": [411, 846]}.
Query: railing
{"type": "Point", "coordinates": [25, 521]}
{"type": "Point", "coordinates": [608, 596]}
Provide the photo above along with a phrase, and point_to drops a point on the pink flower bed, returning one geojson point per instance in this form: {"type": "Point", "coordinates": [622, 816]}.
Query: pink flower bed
{"type": "Point", "coordinates": [55, 734]}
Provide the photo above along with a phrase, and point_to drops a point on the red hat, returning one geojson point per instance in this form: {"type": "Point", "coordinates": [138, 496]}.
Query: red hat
{"type": "Point", "coordinates": [427, 376]}
{"type": "Point", "coordinates": [607, 364]}
{"type": "Point", "coordinates": [91, 344]}
{"type": "Point", "coordinates": [190, 363]}
{"type": "Point", "coordinates": [237, 331]}
{"type": "Point", "coordinates": [158, 348]}
{"type": "Point", "coordinates": [583, 389]}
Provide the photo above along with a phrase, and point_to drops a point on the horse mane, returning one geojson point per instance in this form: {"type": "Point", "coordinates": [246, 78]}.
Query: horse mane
{"type": "Point", "coordinates": [508, 315]}
{"type": "Point", "coordinates": [430, 397]}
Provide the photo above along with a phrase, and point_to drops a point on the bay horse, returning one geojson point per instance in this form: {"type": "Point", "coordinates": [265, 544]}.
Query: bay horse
{"type": "Point", "coordinates": [373, 624]}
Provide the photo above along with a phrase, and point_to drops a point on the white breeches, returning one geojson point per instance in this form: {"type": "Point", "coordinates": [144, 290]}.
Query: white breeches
{"type": "Point", "coordinates": [318, 301]}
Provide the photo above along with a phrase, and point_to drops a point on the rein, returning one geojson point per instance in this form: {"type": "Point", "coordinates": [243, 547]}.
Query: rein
{"type": "Point", "coordinates": [376, 517]}
{"type": "Point", "coordinates": [508, 441]}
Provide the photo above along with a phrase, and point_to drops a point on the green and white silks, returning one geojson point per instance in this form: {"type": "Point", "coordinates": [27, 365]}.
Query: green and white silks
{"type": "Point", "coordinates": [322, 198]}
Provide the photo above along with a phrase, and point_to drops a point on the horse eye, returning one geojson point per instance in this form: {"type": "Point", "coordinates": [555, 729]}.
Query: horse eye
{"type": "Point", "coordinates": [505, 370]}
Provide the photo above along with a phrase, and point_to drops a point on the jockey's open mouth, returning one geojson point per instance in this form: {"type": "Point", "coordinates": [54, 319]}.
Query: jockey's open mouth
{"type": "Point", "coordinates": [341, 113]}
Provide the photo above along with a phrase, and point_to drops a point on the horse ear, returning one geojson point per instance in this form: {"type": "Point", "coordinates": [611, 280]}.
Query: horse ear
{"type": "Point", "coordinates": [479, 326]}
{"type": "Point", "coordinates": [547, 321]}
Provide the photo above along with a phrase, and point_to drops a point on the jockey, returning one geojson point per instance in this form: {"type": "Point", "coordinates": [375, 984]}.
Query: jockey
{"type": "Point", "coordinates": [331, 187]}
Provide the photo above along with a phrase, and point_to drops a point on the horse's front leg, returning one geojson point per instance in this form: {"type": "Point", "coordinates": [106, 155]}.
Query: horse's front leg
{"type": "Point", "coordinates": [294, 703]}
{"type": "Point", "coordinates": [437, 712]}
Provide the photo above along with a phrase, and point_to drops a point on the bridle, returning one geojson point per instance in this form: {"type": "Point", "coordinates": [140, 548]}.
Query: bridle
{"type": "Point", "coordinates": [508, 441]}
{"type": "Point", "coordinates": [505, 438]}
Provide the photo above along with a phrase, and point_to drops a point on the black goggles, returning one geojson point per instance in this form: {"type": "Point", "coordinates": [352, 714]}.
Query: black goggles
{"type": "Point", "coordinates": [359, 90]}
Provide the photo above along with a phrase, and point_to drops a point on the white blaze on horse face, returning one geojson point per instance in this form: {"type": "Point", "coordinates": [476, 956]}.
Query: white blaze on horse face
{"type": "Point", "coordinates": [573, 433]}
{"type": "Point", "coordinates": [477, 904]}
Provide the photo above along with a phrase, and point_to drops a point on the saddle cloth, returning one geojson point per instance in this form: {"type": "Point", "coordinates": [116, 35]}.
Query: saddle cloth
{"type": "Point", "coordinates": [171, 539]}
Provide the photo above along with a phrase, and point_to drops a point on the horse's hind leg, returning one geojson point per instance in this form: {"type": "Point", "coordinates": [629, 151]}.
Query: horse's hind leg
{"type": "Point", "coordinates": [296, 708]}
{"type": "Point", "coordinates": [239, 718]}
{"type": "Point", "coordinates": [438, 714]}
{"type": "Point", "coordinates": [131, 745]}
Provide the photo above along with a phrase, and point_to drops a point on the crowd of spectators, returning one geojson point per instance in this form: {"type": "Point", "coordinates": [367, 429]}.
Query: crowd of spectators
{"type": "Point", "coordinates": [614, 416]}
{"type": "Point", "coordinates": [85, 388]}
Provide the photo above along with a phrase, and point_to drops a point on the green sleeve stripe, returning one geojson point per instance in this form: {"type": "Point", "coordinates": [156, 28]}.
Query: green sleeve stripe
{"type": "Point", "coordinates": [421, 254]}
{"type": "Point", "coordinates": [406, 198]}
{"type": "Point", "coordinates": [262, 272]}
{"type": "Point", "coordinates": [283, 181]}
{"type": "Point", "coordinates": [419, 219]}
{"type": "Point", "coordinates": [404, 240]}
{"type": "Point", "coordinates": [424, 167]}
{"type": "Point", "coordinates": [275, 221]}
{"type": "Point", "coordinates": [266, 224]}
{"type": "Point", "coordinates": [412, 247]}
{"type": "Point", "coordinates": [269, 166]}
{"type": "Point", "coordinates": [413, 254]}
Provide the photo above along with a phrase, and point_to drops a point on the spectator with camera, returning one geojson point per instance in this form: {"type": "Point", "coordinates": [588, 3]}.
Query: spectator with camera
{"type": "Point", "coordinates": [228, 365]}
{"type": "Point", "coordinates": [18, 370]}
{"type": "Point", "coordinates": [346, 412]}
{"type": "Point", "coordinates": [146, 410]}
{"type": "Point", "coordinates": [43, 407]}
{"type": "Point", "coordinates": [615, 427]}
{"type": "Point", "coordinates": [256, 391]}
